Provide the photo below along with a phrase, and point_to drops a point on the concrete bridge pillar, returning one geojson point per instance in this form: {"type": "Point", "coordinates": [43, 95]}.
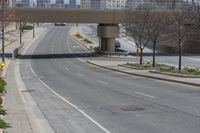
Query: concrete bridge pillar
{"type": "Point", "coordinates": [107, 34]}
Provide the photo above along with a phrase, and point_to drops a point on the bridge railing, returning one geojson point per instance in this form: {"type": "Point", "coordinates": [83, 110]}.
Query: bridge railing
{"type": "Point", "coordinates": [101, 4]}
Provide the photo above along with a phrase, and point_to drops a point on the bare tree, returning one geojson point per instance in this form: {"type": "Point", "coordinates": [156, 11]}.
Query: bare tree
{"type": "Point", "coordinates": [196, 23]}
{"type": "Point", "coordinates": [6, 17]}
{"type": "Point", "coordinates": [157, 25]}
{"type": "Point", "coordinates": [182, 18]}
{"type": "Point", "coordinates": [136, 26]}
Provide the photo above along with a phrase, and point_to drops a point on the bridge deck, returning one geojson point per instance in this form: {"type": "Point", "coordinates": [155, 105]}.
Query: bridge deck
{"type": "Point", "coordinates": [48, 15]}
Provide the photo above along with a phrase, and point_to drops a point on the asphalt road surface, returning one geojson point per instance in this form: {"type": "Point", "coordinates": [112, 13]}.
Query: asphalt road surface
{"type": "Point", "coordinates": [76, 97]}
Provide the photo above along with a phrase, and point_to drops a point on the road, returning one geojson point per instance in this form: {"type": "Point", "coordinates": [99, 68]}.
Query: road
{"type": "Point", "coordinates": [90, 31]}
{"type": "Point", "coordinates": [77, 97]}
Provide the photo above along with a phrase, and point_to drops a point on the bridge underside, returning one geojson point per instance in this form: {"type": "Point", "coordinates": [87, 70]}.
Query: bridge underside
{"type": "Point", "coordinates": [50, 15]}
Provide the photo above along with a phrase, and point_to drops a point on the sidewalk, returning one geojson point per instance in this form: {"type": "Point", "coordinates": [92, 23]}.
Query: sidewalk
{"type": "Point", "coordinates": [17, 115]}
{"type": "Point", "coordinates": [114, 65]}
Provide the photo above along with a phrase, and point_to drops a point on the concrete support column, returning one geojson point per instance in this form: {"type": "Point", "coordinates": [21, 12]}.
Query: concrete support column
{"type": "Point", "coordinates": [107, 34]}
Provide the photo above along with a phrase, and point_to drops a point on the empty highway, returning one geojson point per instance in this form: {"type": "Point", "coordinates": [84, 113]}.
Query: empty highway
{"type": "Point", "coordinates": [76, 97]}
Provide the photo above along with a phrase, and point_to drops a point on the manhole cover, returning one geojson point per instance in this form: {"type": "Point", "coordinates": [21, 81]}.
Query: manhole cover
{"type": "Point", "coordinates": [132, 108]}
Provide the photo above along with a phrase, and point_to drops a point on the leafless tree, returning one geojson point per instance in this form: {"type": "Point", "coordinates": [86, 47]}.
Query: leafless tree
{"type": "Point", "coordinates": [136, 26]}
{"type": "Point", "coordinates": [182, 18]}
{"type": "Point", "coordinates": [6, 16]}
{"type": "Point", "coordinates": [158, 22]}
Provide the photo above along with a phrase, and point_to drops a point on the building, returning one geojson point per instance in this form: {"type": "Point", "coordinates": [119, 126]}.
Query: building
{"type": "Point", "coordinates": [43, 3]}
{"type": "Point", "coordinates": [21, 3]}
{"type": "Point", "coordinates": [93, 4]}
{"type": "Point", "coordinates": [116, 4]}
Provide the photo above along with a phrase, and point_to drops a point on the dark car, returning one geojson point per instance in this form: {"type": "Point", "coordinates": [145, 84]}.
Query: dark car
{"type": "Point", "coordinates": [59, 24]}
{"type": "Point", "coordinates": [117, 44]}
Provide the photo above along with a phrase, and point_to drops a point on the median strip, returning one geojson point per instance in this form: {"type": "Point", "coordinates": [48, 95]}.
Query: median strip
{"type": "Point", "coordinates": [157, 77]}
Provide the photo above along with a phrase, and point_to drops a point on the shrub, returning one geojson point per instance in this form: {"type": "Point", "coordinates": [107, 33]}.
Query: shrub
{"type": "Point", "coordinates": [192, 70]}
{"type": "Point", "coordinates": [78, 35]}
{"type": "Point", "coordinates": [3, 124]}
{"type": "Point", "coordinates": [27, 27]}
{"type": "Point", "coordinates": [2, 82]}
{"type": "Point", "coordinates": [147, 65]}
{"type": "Point", "coordinates": [86, 40]}
{"type": "Point", "coordinates": [1, 101]}
{"type": "Point", "coordinates": [2, 111]}
{"type": "Point", "coordinates": [2, 88]}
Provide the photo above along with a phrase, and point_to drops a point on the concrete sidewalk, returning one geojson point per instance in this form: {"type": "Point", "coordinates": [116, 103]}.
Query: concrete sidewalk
{"type": "Point", "coordinates": [114, 65]}
{"type": "Point", "coordinates": [17, 115]}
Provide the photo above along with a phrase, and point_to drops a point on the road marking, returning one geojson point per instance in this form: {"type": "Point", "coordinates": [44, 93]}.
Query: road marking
{"type": "Point", "coordinates": [80, 75]}
{"type": "Point", "coordinates": [72, 52]}
{"type": "Point", "coordinates": [105, 83]}
{"type": "Point", "coordinates": [71, 104]}
{"type": "Point", "coordinates": [145, 94]}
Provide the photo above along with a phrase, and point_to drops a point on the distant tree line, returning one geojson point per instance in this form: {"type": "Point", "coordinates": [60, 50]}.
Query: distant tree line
{"type": "Point", "coordinates": [176, 21]}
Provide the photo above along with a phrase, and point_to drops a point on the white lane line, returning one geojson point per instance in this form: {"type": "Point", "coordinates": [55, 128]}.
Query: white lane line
{"type": "Point", "coordinates": [145, 95]}
{"type": "Point", "coordinates": [105, 83]}
{"type": "Point", "coordinates": [80, 75]}
{"type": "Point", "coordinates": [72, 52]}
{"type": "Point", "coordinates": [71, 104]}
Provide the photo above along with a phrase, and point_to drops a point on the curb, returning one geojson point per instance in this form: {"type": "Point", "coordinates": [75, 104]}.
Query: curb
{"type": "Point", "coordinates": [146, 76]}
{"type": "Point", "coordinates": [79, 42]}
{"type": "Point", "coordinates": [176, 75]}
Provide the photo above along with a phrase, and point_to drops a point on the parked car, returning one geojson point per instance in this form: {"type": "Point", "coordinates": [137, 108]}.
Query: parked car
{"type": "Point", "coordinates": [59, 24]}
{"type": "Point", "coordinates": [117, 44]}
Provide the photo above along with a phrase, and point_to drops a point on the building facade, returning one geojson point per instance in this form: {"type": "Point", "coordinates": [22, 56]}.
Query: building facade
{"type": "Point", "coordinates": [93, 4]}
{"type": "Point", "coordinates": [116, 4]}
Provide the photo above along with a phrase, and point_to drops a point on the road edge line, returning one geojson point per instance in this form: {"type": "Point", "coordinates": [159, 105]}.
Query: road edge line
{"type": "Point", "coordinates": [29, 103]}
{"type": "Point", "coordinates": [71, 104]}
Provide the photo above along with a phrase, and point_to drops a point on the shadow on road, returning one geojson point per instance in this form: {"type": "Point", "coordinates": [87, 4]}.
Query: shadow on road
{"type": "Point", "coordinates": [55, 56]}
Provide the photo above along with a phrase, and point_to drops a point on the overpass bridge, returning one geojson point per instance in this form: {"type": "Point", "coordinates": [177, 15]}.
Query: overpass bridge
{"type": "Point", "coordinates": [108, 20]}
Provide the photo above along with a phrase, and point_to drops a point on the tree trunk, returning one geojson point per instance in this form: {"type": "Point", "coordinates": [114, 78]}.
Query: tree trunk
{"type": "Point", "coordinates": [180, 56]}
{"type": "Point", "coordinates": [141, 56]}
{"type": "Point", "coordinates": [3, 48]}
{"type": "Point", "coordinates": [20, 32]}
{"type": "Point", "coordinates": [154, 50]}
{"type": "Point", "coordinates": [3, 36]}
